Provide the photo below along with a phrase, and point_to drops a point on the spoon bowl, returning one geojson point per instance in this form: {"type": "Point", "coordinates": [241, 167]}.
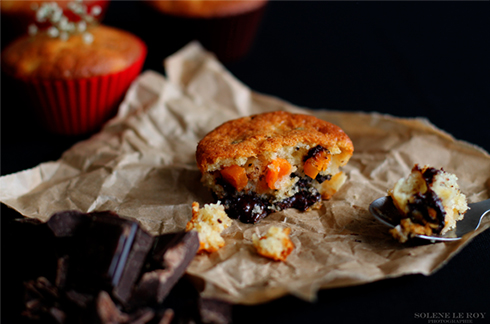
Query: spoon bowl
{"type": "Point", "coordinates": [385, 211]}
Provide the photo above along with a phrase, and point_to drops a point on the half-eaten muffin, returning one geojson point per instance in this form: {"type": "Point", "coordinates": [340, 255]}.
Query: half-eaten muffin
{"type": "Point", "coordinates": [272, 161]}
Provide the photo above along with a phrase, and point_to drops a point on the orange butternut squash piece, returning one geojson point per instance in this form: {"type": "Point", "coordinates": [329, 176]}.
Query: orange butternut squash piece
{"type": "Point", "coordinates": [236, 176]}
{"type": "Point", "coordinates": [317, 163]}
{"type": "Point", "coordinates": [276, 170]}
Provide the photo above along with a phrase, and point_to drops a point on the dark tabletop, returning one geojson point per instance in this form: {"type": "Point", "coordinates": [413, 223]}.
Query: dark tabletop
{"type": "Point", "coordinates": [405, 59]}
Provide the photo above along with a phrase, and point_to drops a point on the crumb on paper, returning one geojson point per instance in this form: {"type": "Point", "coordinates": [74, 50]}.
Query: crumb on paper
{"type": "Point", "coordinates": [209, 221]}
{"type": "Point", "coordinates": [275, 244]}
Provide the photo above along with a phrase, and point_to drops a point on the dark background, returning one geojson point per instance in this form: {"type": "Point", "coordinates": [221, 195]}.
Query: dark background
{"type": "Point", "coordinates": [428, 59]}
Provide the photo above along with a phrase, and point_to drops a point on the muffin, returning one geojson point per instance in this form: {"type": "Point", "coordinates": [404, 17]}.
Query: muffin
{"type": "Point", "coordinates": [429, 201]}
{"type": "Point", "coordinates": [226, 28]}
{"type": "Point", "coordinates": [76, 80]}
{"type": "Point", "coordinates": [272, 161]}
{"type": "Point", "coordinates": [275, 244]}
{"type": "Point", "coordinates": [17, 15]}
{"type": "Point", "coordinates": [209, 222]}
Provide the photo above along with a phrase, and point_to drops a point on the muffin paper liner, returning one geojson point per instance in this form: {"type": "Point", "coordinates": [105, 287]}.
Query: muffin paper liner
{"type": "Point", "coordinates": [80, 106]}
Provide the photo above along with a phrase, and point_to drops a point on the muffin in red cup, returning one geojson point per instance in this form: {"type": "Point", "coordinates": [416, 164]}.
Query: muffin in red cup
{"type": "Point", "coordinates": [75, 81]}
{"type": "Point", "coordinates": [226, 28]}
{"type": "Point", "coordinates": [17, 15]}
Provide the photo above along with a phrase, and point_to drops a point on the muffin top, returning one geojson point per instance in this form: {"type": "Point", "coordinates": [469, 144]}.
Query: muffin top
{"type": "Point", "coordinates": [25, 6]}
{"type": "Point", "coordinates": [109, 51]}
{"type": "Point", "coordinates": [204, 8]}
{"type": "Point", "coordinates": [268, 132]}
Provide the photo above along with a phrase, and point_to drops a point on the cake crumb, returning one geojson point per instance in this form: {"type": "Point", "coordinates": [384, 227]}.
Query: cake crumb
{"type": "Point", "coordinates": [429, 202]}
{"type": "Point", "coordinates": [209, 221]}
{"type": "Point", "coordinates": [275, 244]}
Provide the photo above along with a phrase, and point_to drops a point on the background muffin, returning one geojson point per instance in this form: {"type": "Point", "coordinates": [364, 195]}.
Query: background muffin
{"type": "Point", "coordinates": [17, 15]}
{"type": "Point", "coordinates": [226, 28]}
{"type": "Point", "coordinates": [75, 83]}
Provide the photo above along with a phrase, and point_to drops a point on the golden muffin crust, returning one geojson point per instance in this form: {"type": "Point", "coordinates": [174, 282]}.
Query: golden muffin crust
{"type": "Point", "coordinates": [25, 6]}
{"type": "Point", "coordinates": [41, 56]}
{"type": "Point", "coordinates": [204, 8]}
{"type": "Point", "coordinates": [268, 132]}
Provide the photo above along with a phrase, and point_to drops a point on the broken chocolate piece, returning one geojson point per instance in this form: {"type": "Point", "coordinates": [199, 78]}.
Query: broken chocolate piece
{"type": "Point", "coordinates": [100, 258]}
{"type": "Point", "coordinates": [174, 252]}
{"type": "Point", "coordinates": [66, 223]}
{"type": "Point", "coordinates": [167, 316]}
{"type": "Point", "coordinates": [131, 267]}
{"type": "Point", "coordinates": [40, 297]}
{"type": "Point", "coordinates": [107, 311]}
{"type": "Point", "coordinates": [107, 253]}
{"type": "Point", "coordinates": [214, 311]}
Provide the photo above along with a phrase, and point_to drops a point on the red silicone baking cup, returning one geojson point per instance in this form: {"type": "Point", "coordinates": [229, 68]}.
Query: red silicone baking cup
{"type": "Point", "coordinates": [81, 106]}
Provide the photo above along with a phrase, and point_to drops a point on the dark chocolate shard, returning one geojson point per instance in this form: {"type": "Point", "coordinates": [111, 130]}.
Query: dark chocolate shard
{"type": "Point", "coordinates": [106, 253]}
{"type": "Point", "coordinates": [107, 311]}
{"type": "Point", "coordinates": [142, 316]}
{"type": "Point", "coordinates": [167, 317]}
{"type": "Point", "coordinates": [173, 252]}
{"type": "Point", "coordinates": [66, 223]}
{"type": "Point", "coordinates": [130, 267]}
{"type": "Point", "coordinates": [40, 297]}
{"type": "Point", "coordinates": [61, 271]}
{"type": "Point", "coordinates": [80, 300]}
{"type": "Point", "coordinates": [214, 311]}
{"type": "Point", "coordinates": [57, 314]}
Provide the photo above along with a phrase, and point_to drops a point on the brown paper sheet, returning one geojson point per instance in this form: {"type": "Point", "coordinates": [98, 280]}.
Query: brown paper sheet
{"type": "Point", "coordinates": [142, 166]}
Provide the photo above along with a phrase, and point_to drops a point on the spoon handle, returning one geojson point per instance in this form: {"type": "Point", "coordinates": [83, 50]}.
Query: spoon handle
{"type": "Point", "coordinates": [481, 207]}
{"type": "Point", "coordinates": [479, 210]}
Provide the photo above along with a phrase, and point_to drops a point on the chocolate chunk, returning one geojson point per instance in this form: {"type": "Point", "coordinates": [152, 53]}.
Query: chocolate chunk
{"type": "Point", "coordinates": [40, 297]}
{"type": "Point", "coordinates": [322, 178]}
{"type": "Point", "coordinates": [78, 299]}
{"type": "Point", "coordinates": [141, 316]}
{"type": "Point", "coordinates": [107, 311]}
{"type": "Point", "coordinates": [106, 272]}
{"type": "Point", "coordinates": [167, 316]}
{"type": "Point", "coordinates": [61, 271]}
{"type": "Point", "coordinates": [302, 200]}
{"type": "Point", "coordinates": [247, 208]}
{"type": "Point", "coordinates": [58, 315]}
{"type": "Point", "coordinates": [132, 266]}
{"type": "Point", "coordinates": [314, 151]}
{"type": "Point", "coordinates": [173, 253]}
{"type": "Point", "coordinates": [66, 223]}
{"type": "Point", "coordinates": [214, 311]}
{"type": "Point", "coordinates": [105, 252]}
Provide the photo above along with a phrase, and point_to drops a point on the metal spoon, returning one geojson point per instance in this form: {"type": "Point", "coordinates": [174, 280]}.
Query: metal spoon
{"type": "Point", "coordinates": [385, 211]}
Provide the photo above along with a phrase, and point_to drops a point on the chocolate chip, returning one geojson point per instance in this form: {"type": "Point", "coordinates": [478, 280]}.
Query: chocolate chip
{"type": "Point", "coordinates": [322, 178]}
{"type": "Point", "coordinates": [302, 200]}
{"type": "Point", "coordinates": [247, 208]}
{"type": "Point", "coordinates": [314, 151]}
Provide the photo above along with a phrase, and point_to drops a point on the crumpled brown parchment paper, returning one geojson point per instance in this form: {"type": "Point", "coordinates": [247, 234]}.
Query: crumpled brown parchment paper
{"type": "Point", "coordinates": [142, 166]}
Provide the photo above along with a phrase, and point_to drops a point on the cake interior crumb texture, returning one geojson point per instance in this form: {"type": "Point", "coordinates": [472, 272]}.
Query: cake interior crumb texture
{"type": "Point", "coordinates": [274, 161]}
{"type": "Point", "coordinates": [275, 244]}
{"type": "Point", "coordinates": [209, 221]}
